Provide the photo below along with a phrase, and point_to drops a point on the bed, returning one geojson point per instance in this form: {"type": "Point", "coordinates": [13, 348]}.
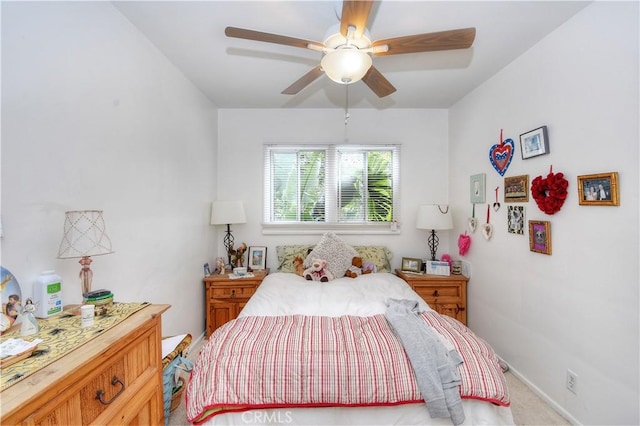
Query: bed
{"type": "Point", "coordinates": [305, 352]}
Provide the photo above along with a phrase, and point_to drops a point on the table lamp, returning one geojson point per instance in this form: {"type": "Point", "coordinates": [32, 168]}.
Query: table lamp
{"type": "Point", "coordinates": [227, 213]}
{"type": "Point", "coordinates": [435, 218]}
{"type": "Point", "coordinates": [84, 236]}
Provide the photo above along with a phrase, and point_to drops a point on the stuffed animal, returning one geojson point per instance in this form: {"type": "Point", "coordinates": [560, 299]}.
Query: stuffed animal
{"type": "Point", "coordinates": [318, 271]}
{"type": "Point", "coordinates": [298, 265]}
{"type": "Point", "coordinates": [369, 267]}
{"type": "Point", "coordinates": [355, 270]}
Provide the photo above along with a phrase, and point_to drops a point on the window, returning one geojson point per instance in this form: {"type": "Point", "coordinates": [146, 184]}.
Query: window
{"type": "Point", "coordinates": [312, 186]}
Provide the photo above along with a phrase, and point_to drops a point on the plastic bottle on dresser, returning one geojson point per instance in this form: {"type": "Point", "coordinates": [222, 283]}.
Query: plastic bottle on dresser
{"type": "Point", "coordinates": [47, 292]}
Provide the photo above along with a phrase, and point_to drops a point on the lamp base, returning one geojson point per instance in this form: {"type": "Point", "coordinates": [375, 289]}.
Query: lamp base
{"type": "Point", "coordinates": [433, 244]}
{"type": "Point", "coordinates": [86, 274]}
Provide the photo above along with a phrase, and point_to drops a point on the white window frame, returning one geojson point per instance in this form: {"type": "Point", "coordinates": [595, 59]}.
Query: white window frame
{"type": "Point", "coordinates": [331, 194]}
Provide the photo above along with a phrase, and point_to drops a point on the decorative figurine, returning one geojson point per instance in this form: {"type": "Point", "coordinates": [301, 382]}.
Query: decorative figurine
{"type": "Point", "coordinates": [29, 322]}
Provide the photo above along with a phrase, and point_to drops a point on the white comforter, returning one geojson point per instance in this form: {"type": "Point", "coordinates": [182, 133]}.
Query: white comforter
{"type": "Point", "coordinates": [288, 294]}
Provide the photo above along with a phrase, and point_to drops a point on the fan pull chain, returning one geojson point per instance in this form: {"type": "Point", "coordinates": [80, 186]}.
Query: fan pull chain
{"type": "Point", "coordinates": [346, 107]}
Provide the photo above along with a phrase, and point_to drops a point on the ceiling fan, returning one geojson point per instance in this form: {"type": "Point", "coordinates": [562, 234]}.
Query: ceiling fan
{"type": "Point", "coordinates": [348, 49]}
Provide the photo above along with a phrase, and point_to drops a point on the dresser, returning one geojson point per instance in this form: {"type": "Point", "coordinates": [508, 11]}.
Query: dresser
{"type": "Point", "coordinates": [114, 379]}
{"type": "Point", "coordinates": [447, 295]}
{"type": "Point", "coordinates": [225, 297]}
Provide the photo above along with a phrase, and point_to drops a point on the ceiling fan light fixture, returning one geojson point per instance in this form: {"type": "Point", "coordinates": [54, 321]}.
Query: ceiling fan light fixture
{"type": "Point", "coordinates": [346, 66]}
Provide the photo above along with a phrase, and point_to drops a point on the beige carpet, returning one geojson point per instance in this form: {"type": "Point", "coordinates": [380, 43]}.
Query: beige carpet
{"type": "Point", "coordinates": [527, 407]}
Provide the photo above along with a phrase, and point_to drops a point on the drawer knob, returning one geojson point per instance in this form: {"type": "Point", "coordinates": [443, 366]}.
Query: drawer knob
{"type": "Point", "coordinates": [100, 393]}
{"type": "Point", "coordinates": [233, 293]}
{"type": "Point", "coordinates": [435, 293]}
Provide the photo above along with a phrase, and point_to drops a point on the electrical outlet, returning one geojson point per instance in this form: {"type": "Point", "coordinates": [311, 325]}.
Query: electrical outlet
{"type": "Point", "coordinates": [572, 381]}
{"type": "Point", "coordinates": [466, 268]}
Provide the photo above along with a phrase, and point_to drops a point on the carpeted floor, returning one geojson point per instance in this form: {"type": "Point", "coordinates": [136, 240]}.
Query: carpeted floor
{"type": "Point", "coordinates": [527, 407]}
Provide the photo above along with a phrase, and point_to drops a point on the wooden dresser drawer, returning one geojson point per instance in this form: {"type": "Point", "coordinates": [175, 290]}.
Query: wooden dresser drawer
{"type": "Point", "coordinates": [110, 382]}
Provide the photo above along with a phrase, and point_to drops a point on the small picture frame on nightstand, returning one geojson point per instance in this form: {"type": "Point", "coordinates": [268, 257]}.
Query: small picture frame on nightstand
{"type": "Point", "coordinates": [410, 264]}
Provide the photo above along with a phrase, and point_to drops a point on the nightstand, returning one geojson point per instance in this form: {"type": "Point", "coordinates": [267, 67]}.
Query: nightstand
{"type": "Point", "coordinates": [226, 297]}
{"type": "Point", "coordinates": [447, 295]}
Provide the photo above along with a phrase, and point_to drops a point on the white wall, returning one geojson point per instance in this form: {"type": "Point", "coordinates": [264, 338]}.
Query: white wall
{"type": "Point", "coordinates": [423, 136]}
{"type": "Point", "coordinates": [578, 308]}
{"type": "Point", "coordinates": [93, 117]}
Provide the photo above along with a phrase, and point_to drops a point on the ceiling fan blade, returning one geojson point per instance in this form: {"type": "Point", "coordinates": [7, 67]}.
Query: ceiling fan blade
{"type": "Point", "coordinates": [355, 13]}
{"type": "Point", "coordinates": [303, 81]}
{"type": "Point", "coordinates": [378, 83]}
{"type": "Point", "coordinates": [271, 38]}
{"type": "Point", "coordinates": [429, 42]}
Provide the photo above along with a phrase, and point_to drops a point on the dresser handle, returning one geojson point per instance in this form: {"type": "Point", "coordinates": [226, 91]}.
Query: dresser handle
{"type": "Point", "coordinates": [233, 293]}
{"type": "Point", "coordinates": [114, 382]}
{"type": "Point", "coordinates": [436, 294]}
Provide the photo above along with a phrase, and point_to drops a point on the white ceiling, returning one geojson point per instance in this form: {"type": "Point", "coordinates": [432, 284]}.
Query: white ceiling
{"type": "Point", "coordinates": [237, 73]}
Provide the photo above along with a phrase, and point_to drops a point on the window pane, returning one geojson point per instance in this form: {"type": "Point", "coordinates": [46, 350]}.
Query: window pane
{"type": "Point", "coordinates": [379, 186]}
{"type": "Point", "coordinates": [298, 186]}
{"type": "Point", "coordinates": [351, 170]}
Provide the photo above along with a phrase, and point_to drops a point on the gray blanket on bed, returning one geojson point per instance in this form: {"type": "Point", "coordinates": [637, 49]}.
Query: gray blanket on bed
{"type": "Point", "coordinates": [433, 363]}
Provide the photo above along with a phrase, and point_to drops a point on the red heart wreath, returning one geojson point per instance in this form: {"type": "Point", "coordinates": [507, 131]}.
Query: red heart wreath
{"type": "Point", "coordinates": [551, 192]}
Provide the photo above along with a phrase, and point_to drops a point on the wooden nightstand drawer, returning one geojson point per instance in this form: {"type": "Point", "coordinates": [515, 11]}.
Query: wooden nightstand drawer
{"type": "Point", "coordinates": [444, 292]}
{"type": "Point", "coordinates": [233, 292]}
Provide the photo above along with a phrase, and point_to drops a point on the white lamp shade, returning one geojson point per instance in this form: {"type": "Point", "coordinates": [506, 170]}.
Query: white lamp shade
{"type": "Point", "coordinates": [84, 235]}
{"type": "Point", "coordinates": [432, 216]}
{"type": "Point", "coordinates": [346, 66]}
{"type": "Point", "coordinates": [227, 212]}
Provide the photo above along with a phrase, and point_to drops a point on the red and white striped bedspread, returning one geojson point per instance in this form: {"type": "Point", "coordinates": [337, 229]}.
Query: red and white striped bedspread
{"type": "Point", "coordinates": [311, 361]}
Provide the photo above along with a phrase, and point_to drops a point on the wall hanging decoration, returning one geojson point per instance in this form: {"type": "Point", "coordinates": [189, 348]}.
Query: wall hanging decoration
{"type": "Point", "coordinates": [501, 154]}
{"type": "Point", "coordinates": [551, 192]}
{"type": "Point", "coordinates": [472, 222]}
{"type": "Point", "coordinates": [516, 189]}
{"type": "Point", "coordinates": [477, 188]}
{"type": "Point", "coordinates": [534, 142]}
{"type": "Point", "coordinates": [599, 189]}
{"type": "Point", "coordinates": [540, 236]}
{"type": "Point", "coordinates": [496, 205]}
{"type": "Point", "coordinates": [464, 242]}
{"type": "Point", "coordinates": [487, 228]}
{"type": "Point", "coordinates": [515, 220]}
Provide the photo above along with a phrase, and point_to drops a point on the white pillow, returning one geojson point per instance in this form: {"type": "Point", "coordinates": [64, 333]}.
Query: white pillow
{"type": "Point", "coordinates": [336, 252]}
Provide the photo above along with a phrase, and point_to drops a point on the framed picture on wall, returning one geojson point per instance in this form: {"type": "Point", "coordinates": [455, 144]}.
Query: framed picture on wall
{"type": "Point", "coordinates": [516, 189]}
{"type": "Point", "coordinates": [515, 220]}
{"type": "Point", "coordinates": [477, 188]}
{"type": "Point", "coordinates": [540, 236]}
{"type": "Point", "coordinates": [534, 142]}
{"type": "Point", "coordinates": [598, 189]}
{"type": "Point", "coordinates": [257, 257]}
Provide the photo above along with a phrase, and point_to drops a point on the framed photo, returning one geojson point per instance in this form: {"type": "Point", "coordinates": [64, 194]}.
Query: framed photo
{"type": "Point", "coordinates": [257, 257]}
{"type": "Point", "coordinates": [540, 236]}
{"type": "Point", "coordinates": [516, 189]}
{"type": "Point", "coordinates": [477, 188]}
{"type": "Point", "coordinates": [599, 190]}
{"type": "Point", "coordinates": [207, 270]}
{"type": "Point", "coordinates": [410, 264]}
{"type": "Point", "coordinates": [515, 220]}
{"type": "Point", "coordinates": [534, 143]}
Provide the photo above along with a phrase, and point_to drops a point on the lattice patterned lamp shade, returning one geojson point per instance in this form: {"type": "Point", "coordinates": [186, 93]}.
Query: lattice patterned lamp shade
{"type": "Point", "coordinates": [84, 236]}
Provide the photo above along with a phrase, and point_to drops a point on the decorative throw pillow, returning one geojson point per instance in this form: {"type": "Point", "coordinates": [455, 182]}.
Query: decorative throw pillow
{"type": "Point", "coordinates": [336, 252]}
{"type": "Point", "coordinates": [287, 253]}
{"type": "Point", "coordinates": [379, 255]}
